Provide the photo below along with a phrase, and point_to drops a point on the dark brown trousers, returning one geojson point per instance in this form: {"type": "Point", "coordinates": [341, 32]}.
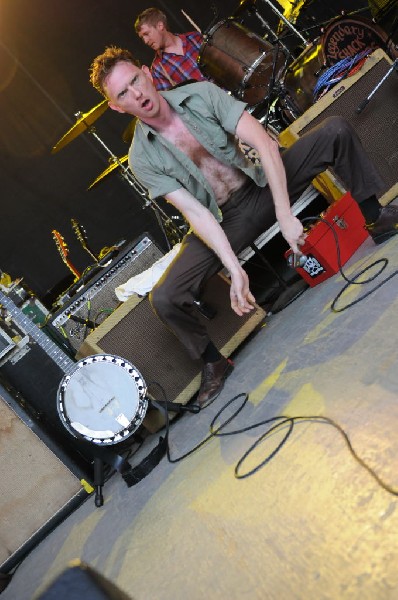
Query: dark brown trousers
{"type": "Point", "coordinates": [249, 212]}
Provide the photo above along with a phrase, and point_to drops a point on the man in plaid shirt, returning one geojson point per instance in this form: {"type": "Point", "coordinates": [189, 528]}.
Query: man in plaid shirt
{"type": "Point", "coordinates": [176, 54]}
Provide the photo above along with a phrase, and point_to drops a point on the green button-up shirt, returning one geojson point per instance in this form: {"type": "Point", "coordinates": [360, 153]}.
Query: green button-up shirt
{"type": "Point", "coordinates": [211, 115]}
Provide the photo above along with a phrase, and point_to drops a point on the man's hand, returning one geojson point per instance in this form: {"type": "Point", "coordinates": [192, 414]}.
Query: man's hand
{"type": "Point", "coordinates": [293, 232]}
{"type": "Point", "coordinates": [242, 300]}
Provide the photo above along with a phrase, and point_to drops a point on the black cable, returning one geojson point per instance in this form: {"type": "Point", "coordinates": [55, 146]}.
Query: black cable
{"type": "Point", "coordinates": [167, 426]}
{"type": "Point", "coordinates": [284, 420]}
{"type": "Point", "coordinates": [353, 281]}
{"type": "Point", "coordinates": [292, 420]}
{"type": "Point", "coordinates": [275, 424]}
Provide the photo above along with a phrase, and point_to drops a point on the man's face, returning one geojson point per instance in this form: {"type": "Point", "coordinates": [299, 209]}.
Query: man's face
{"type": "Point", "coordinates": [152, 35]}
{"type": "Point", "coordinates": [130, 90]}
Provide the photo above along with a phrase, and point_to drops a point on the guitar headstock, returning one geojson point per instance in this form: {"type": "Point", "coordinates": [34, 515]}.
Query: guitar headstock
{"type": "Point", "coordinates": [79, 230]}
{"type": "Point", "coordinates": [60, 242]}
{"type": "Point", "coordinates": [81, 235]}
{"type": "Point", "coordinates": [64, 252]}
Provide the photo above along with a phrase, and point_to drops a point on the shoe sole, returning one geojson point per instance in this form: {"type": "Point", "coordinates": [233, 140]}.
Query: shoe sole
{"type": "Point", "coordinates": [383, 237]}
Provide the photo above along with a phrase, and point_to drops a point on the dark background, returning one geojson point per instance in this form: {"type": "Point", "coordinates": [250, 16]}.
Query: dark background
{"type": "Point", "coordinates": [46, 48]}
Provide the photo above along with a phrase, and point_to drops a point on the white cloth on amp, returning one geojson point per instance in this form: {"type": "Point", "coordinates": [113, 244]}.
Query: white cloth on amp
{"type": "Point", "coordinates": [142, 283]}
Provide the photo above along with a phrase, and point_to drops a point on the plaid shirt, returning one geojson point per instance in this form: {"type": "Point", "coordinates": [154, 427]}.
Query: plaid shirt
{"type": "Point", "coordinates": [170, 69]}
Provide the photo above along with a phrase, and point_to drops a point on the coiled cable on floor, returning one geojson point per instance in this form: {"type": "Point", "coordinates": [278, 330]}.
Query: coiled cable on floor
{"type": "Point", "coordinates": [354, 280]}
{"type": "Point", "coordinates": [274, 424]}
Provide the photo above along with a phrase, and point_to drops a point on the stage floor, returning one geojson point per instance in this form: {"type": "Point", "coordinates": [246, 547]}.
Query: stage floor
{"type": "Point", "coordinates": [312, 522]}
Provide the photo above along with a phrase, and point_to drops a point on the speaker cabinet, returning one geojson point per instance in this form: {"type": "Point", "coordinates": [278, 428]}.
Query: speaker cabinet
{"type": "Point", "coordinates": [35, 485]}
{"type": "Point", "coordinates": [134, 332]}
{"type": "Point", "coordinates": [376, 125]}
{"type": "Point", "coordinates": [94, 301]}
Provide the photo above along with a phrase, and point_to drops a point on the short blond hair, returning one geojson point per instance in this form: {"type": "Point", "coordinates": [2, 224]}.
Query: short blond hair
{"type": "Point", "coordinates": [150, 16]}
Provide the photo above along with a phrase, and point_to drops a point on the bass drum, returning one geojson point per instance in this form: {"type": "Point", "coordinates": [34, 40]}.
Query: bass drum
{"type": "Point", "coordinates": [102, 399]}
{"type": "Point", "coordinates": [344, 37]}
{"type": "Point", "coordinates": [240, 61]}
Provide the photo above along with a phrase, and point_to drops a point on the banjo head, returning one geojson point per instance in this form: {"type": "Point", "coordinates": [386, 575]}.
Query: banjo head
{"type": "Point", "coordinates": [102, 399]}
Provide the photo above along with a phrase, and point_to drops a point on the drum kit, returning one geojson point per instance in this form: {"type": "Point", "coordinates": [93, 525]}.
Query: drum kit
{"type": "Point", "coordinates": [263, 72]}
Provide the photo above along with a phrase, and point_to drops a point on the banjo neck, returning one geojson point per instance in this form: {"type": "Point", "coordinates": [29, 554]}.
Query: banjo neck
{"type": "Point", "coordinates": [64, 362]}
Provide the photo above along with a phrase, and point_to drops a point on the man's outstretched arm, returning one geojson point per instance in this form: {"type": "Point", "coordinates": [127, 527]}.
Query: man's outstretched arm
{"type": "Point", "coordinates": [249, 130]}
{"type": "Point", "coordinates": [211, 233]}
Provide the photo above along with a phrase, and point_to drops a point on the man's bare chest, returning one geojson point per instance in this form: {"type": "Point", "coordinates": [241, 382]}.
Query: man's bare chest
{"type": "Point", "coordinates": [182, 138]}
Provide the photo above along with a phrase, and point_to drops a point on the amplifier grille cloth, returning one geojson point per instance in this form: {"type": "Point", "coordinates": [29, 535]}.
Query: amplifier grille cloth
{"type": "Point", "coordinates": [97, 299]}
{"type": "Point", "coordinates": [377, 124]}
{"type": "Point", "coordinates": [141, 338]}
{"type": "Point", "coordinates": [35, 483]}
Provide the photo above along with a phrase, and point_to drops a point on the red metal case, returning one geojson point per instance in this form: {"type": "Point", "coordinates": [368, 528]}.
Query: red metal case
{"type": "Point", "coordinates": [320, 248]}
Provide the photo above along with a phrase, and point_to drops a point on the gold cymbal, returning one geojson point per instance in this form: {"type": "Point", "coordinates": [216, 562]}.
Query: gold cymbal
{"type": "Point", "coordinates": [82, 124]}
{"type": "Point", "coordinates": [108, 170]}
{"type": "Point", "coordinates": [128, 133]}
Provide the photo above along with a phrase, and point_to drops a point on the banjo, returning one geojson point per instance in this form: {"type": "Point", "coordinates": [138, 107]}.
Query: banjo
{"type": "Point", "coordinates": [101, 398]}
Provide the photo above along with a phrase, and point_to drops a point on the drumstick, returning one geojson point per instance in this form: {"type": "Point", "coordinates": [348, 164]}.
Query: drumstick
{"type": "Point", "coordinates": [191, 21]}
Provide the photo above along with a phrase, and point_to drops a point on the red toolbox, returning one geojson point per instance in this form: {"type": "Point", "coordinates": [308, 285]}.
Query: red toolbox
{"type": "Point", "coordinates": [320, 249]}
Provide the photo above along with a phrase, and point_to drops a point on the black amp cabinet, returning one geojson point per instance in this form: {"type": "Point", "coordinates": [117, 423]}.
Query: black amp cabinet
{"type": "Point", "coordinates": [93, 302]}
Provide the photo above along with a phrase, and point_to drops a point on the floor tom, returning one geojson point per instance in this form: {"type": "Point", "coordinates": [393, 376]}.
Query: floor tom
{"type": "Point", "coordinates": [240, 61]}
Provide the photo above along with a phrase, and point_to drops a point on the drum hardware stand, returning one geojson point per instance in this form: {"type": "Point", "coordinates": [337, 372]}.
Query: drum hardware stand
{"type": "Point", "coordinates": [324, 24]}
{"type": "Point", "coordinates": [276, 91]}
{"type": "Point", "coordinates": [272, 87]}
{"type": "Point", "coordinates": [170, 232]}
{"type": "Point", "coordinates": [287, 22]}
{"type": "Point", "coordinates": [213, 21]}
{"type": "Point", "coordinates": [274, 37]}
{"type": "Point", "coordinates": [288, 103]}
{"type": "Point", "coordinates": [394, 67]}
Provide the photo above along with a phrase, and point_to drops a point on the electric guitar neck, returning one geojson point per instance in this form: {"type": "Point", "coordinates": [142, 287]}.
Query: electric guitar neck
{"type": "Point", "coordinates": [50, 348]}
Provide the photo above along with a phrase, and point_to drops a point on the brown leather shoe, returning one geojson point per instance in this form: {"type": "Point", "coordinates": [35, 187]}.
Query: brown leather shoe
{"type": "Point", "coordinates": [386, 225]}
{"type": "Point", "coordinates": [213, 377]}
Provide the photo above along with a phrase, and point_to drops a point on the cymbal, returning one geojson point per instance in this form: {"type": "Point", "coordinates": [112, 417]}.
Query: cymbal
{"type": "Point", "coordinates": [108, 170]}
{"type": "Point", "coordinates": [128, 133]}
{"type": "Point", "coordinates": [82, 124]}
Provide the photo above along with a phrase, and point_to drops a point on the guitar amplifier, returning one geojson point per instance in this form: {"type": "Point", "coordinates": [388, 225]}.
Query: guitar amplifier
{"type": "Point", "coordinates": [376, 124]}
{"type": "Point", "coordinates": [93, 302]}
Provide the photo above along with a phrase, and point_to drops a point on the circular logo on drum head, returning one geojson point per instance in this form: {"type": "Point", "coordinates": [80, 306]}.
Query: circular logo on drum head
{"type": "Point", "coordinates": [347, 37]}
